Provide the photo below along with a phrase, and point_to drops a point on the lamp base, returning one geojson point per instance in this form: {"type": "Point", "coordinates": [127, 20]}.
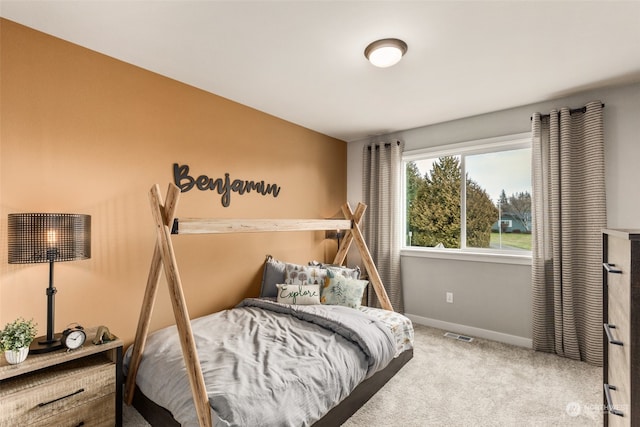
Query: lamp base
{"type": "Point", "coordinates": [42, 345]}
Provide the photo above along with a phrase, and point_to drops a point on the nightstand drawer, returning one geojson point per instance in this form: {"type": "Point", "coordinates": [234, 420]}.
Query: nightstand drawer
{"type": "Point", "coordinates": [100, 412]}
{"type": "Point", "coordinates": [34, 398]}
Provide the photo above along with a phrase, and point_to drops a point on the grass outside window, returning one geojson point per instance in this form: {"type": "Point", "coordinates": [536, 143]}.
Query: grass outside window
{"type": "Point", "coordinates": [511, 240]}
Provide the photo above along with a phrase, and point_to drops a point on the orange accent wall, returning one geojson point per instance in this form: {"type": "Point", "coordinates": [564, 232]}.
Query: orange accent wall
{"type": "Point", "coordinates": [81, 132]}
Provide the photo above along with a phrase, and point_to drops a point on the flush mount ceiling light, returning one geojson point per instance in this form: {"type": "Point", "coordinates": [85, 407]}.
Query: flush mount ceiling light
{"type": "Point", "coordinates": [386, 52]}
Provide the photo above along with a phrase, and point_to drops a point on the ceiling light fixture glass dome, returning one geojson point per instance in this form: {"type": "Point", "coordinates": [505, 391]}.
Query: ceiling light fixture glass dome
{"type": "Point", "coordinates": [386, 52]}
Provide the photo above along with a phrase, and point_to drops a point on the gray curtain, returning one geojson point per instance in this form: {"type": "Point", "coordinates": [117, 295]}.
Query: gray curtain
{"type": "Point", "coordinates": [569, 212]}
{"type": "Point", "coordinates": [381, 189]}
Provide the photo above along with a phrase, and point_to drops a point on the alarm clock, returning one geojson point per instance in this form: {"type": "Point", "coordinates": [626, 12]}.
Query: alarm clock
{"type": "Point", "coordinates": [73, 337]}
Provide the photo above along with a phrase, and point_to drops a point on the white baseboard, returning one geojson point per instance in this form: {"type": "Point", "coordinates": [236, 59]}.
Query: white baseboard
{"type": "Point", "coordinates": [472, 331]}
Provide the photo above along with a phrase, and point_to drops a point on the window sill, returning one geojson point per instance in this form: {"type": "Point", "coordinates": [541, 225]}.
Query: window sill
{"type": "Point", "coordinates": [468, 255]}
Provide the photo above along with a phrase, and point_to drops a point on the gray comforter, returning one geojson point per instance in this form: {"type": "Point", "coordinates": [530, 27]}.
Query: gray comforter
{"type": "Point", "coordinates": [267, 364]}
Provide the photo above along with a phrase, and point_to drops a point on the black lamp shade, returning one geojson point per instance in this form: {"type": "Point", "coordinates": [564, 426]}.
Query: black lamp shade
{"type": "Point", "coordinates": [48, 237]}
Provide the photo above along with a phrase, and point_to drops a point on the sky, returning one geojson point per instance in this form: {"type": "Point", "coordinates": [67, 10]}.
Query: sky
{"type": "Point", "coordinates": [504, 170]}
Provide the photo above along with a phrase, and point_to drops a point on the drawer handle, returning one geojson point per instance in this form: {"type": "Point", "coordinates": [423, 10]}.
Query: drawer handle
{"type": "Point", "coordinates": [607, 329]}
{"type": "Point", "coordinates": [40, 405]}
{"type": "Point", "coordinates": [611, 268]}
{"type": "Point", "coordinates": [607, 395]}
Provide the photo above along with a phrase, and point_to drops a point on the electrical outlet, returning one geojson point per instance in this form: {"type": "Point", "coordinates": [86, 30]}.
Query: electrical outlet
{"type": "Point", "coordinates": [450, 297]}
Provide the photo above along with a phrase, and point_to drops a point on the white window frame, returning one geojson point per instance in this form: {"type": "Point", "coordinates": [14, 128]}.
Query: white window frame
{"type": "Point", "coordinates": [488, 145]}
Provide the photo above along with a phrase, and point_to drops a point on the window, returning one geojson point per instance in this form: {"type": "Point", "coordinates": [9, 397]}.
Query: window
{"type": "Point", "coordinates": [488, 211]}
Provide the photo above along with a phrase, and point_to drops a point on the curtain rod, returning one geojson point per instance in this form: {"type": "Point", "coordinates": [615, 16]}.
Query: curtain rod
{"type": "Point", "coordinates": [571, 111]}
{"type": "Point", "coordinates": [386, 144]}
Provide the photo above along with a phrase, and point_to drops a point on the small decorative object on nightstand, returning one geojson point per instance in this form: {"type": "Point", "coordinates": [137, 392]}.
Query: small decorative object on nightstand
{"type": "Point", "coordinates": [103, 335]}
{"type": "Point", "coordinates": [15, 339]}
{"type": "Point", "coordinates": [79, 387]}
{"type": "Point", "coordinates": [73, 337]}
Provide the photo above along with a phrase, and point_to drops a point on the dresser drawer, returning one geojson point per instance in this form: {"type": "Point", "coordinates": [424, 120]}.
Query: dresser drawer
{"type": "Point", "coordinates": [618, 288]}
{"type": "Point", "coordinates": [620, 396]}
{"type": "Point", "coordinates": [619, 356]}
{"type": "Point", "coordinates": [76, 386]}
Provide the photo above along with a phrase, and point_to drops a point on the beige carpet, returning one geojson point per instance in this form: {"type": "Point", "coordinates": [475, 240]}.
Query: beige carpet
{"type": "Point", "coordinates": [482, 383]}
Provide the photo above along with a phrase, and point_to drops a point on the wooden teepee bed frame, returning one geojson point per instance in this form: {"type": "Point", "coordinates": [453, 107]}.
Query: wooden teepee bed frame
{"type": "Point", "coordinates": [163, 256]}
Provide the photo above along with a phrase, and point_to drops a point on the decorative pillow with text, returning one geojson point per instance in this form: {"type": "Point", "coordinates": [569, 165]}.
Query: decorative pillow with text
{"type": "Point", "coordinates": [298, 294]}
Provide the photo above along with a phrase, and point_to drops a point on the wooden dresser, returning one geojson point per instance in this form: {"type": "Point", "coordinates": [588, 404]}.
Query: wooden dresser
{"type": "Point", "coordinates": [82, 387]}
{"type": "Point", "coordinates": [621, 316]}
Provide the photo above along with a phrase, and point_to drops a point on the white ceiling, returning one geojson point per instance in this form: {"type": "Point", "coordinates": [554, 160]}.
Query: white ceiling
{"type": "Point", "coordinates": [303, 61]}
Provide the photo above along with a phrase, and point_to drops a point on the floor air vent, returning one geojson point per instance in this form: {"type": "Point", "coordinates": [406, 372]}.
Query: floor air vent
{"type": "Point", "coordinates": [458, 337]}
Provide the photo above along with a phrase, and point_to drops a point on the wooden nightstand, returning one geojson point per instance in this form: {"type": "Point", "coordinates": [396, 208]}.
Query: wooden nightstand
{"type": "Point", "coordinates": [82, 387]}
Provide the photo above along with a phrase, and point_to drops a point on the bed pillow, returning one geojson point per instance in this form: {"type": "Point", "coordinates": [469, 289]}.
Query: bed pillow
{"type": "Point", "coordinates": [295, 274]}
{"type": "Point", "coordinates": [298, 294]}
{"type": "Point", "coordinates": [273, 274]}
{"type": "Point", "coordinates": [340, 290]}
{"type": "Point", "coordinates": [338, 270]}
{"type": "Point", "coordinates": [352, 273]}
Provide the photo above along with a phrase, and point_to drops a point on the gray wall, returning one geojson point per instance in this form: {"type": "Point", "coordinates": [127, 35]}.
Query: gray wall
{"type": "Point", "coordinates": [494, 299]}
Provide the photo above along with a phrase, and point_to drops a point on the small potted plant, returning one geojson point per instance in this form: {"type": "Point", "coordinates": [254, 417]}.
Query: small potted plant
{"type": "Point", "coordinates": [15, 339]}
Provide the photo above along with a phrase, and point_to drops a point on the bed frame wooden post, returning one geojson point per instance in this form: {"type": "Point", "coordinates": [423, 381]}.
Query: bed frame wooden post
{"type": "Point", "coordinates": [356, 235]}
{"type": "Point", "coordinates": [164, 219]}
{"type": "Point", "coordinates": [149, 299]}
{"type": "Point", "coordinates": [356, 217]}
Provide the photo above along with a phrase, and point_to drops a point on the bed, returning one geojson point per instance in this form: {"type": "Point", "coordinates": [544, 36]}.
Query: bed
{"type": "Point", "coordinates": [270, 360]}
{"type": "Point", "coordinates": [251, 376]}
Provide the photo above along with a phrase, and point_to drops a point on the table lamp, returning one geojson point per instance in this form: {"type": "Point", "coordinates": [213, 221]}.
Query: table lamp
{"type": "Point", "coordinates": [48, 237]}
